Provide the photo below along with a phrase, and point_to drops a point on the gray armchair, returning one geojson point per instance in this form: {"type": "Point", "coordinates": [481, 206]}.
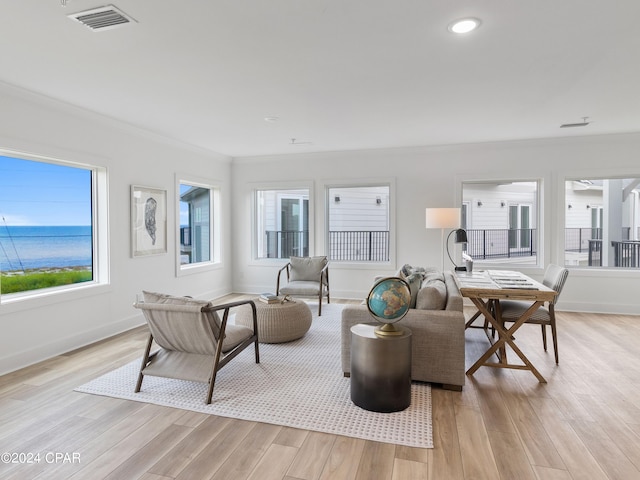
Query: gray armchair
{"type": "Point", "coordinates": [306, 277]}
{"type": "Point", "coordinates": [194, 343]}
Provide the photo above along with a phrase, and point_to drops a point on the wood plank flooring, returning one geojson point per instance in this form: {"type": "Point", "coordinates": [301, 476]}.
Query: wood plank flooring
{"type": "Point", "coordinates": [583, 424]}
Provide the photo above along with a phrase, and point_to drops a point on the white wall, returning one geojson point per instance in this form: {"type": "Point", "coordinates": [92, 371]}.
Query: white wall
{"type": "Point", "coordinates": [33, 330]}
{"type": "Point", "coordinates": [431, 177]}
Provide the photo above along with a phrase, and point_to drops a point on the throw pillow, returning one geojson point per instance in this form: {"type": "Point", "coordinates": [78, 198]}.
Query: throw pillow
{"type": "Point", "coordinates": [306, 268]}
{"type": "Point", "coordinates": [406, 270]}
{"type": "Point", "coordinates": [415, 282]}
{"type": "Point", "coordinates": [432, 296]}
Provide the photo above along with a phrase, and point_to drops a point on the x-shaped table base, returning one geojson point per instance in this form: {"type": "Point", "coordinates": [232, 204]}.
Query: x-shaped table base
{"type": "Point", "coordinates": [505, 337]}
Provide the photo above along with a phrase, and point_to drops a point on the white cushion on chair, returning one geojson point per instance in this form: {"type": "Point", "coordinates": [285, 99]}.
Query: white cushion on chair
{"type": "Point", "coordinates": [302, 288]}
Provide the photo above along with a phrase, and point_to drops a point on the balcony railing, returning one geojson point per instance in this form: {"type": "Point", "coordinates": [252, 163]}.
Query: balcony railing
{"type": "Point", "coordinates": [625, 253]}
{"type": "Point", "coordinates": [357, 246]}
{"type": "Point", "coordinates": [486, 244]}
{"type": "Point", "coordinates": [577, 239]}
{"type": "Point", "coordinates": [354, 246]}
{"type": "Point", "coordinates": [483, 244]}
{"type": "Point", "coordinates": [287, 243]}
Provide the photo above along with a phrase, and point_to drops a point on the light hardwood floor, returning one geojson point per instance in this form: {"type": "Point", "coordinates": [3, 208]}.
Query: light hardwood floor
{"type": "Point", "coordinates": [583, 424]}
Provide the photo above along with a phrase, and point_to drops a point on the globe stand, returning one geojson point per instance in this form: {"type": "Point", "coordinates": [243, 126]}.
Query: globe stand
{"type": "Point", "coordinates": [387, 330]}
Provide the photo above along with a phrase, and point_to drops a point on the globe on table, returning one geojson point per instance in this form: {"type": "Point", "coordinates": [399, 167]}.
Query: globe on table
{"type": "Point", "coordinates": [388, 301]}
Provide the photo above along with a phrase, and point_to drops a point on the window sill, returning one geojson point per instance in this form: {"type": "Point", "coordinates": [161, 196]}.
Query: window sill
{"type": "Point", "coordinates": [40, 299]}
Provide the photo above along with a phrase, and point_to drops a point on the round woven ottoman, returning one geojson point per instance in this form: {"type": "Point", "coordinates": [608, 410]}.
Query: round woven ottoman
{"type": "Point", "coordinates": [277, 322]}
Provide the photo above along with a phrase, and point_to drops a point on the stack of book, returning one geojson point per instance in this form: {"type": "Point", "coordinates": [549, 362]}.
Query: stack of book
{"type": "Point", "coordinates": [269, 298]}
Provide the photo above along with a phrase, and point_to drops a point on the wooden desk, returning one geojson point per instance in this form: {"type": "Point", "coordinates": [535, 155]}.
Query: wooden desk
{"type": "Point", "coordinates": [485, 287]}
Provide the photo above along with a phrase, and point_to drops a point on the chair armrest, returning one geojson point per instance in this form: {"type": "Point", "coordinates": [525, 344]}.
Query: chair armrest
{"type": "Point", "coordinates": [227, 306]}
{"type": "Point", "coordinates": [325, 272]}
{"type": "Point", "coordinates": [286, 267]}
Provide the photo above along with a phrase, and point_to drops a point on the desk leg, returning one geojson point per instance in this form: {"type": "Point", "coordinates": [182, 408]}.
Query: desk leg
{"type": "Point", "coordinates": [488, 305]}
{"type": "Point", "coordinates": [505, 336]}
{"type": "Point", "coordinates": [472, 319]}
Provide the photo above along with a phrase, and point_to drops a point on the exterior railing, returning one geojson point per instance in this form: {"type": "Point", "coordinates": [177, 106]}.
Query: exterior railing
{"type": "Point", "coordinates": [626, 253]}
{"type": "Point", "coordinates": [501, 243]}
{"type": "Point", "coordinates": [287, 243]}
{"type": "Point", "coordinates": [357, 246]}
{"type": "Point", "coordinates": [354, 246]}
{"type": "Point", "coordinates": [577, 239]}
{"type": "Point", "coordinates": [483, 244]}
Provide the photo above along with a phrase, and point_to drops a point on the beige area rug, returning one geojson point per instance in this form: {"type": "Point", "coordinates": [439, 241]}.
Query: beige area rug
{"type": "Point", "coordinates": [297, 384]}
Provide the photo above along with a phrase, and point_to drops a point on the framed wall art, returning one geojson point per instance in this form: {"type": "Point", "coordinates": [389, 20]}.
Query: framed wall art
{"type": "Point", "coordinates": [148, 221]}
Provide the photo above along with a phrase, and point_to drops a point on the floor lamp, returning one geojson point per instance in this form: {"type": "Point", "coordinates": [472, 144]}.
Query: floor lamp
{"type": "Point", "coordinates": [442, 218]}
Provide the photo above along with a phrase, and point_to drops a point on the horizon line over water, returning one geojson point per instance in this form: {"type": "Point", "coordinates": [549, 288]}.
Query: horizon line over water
{"type": "Point", "coordinates": [38, 247]}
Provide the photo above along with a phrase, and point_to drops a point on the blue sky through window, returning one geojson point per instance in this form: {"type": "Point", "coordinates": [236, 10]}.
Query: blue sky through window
{"type": "Point", "coordinates": [36, 193]}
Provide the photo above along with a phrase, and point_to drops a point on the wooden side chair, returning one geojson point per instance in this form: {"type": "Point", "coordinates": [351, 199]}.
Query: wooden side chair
{"type": "Point", "coordinates": [306, 277]}
{"type": "Point", "coordinates": [194, 344]}
{"type": "Point", "coordinates": [510, 310]}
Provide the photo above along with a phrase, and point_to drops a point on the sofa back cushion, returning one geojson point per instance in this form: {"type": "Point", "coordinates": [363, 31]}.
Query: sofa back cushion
{"type": "Point", "coordinates": [432, 295]}
{"type": "Point", "coordinates": [454, 297]}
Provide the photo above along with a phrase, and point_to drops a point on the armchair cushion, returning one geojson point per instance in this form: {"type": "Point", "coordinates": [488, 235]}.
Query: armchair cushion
{"type": "Point", "coordinates": [302, 288]}
{"type": "Point", "coordinates": [307, 268]}
{"type": "Point", "coordinates": [234, 334]}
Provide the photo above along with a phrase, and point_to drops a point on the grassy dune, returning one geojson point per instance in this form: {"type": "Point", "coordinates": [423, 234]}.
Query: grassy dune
{"type": "Point", "coordinates": [13, 282]}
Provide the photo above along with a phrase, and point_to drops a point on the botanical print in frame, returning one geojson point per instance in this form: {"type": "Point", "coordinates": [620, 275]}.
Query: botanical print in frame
{"type": "Point", "coordinates": [148, 221]}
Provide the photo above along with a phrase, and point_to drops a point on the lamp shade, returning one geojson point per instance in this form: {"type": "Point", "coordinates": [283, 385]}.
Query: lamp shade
{"type": "Point", "coordinates": [461, 236]}
{"type": "Point", "coordinates": [442, 218]}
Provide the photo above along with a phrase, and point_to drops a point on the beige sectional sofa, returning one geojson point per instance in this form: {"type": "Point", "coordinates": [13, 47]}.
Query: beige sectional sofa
{"type": "Point", "coordinates": [437, 334]}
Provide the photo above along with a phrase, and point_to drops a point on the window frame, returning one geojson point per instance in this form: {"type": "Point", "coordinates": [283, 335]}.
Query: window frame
{"type": "Point", "coordinates": [537, 216]}
{"type": "Point", "coordinates": [616, 174]}
{"type": "Point", "coordinates": [255, 259]}
{"type": "Point", "coordinates": [215, 224]}
{"type": "Point", "coordinates": [100, 238]}
{"type": "Point", "coordinates": [389, 182]}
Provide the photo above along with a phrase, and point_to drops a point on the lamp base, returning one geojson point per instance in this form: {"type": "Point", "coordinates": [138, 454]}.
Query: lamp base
{"type": "Point", "coordinates": [387, 330]}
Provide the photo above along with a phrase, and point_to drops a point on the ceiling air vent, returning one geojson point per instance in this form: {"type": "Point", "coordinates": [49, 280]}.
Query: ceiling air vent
{"type": "Point", "coordinates": [583, 123]}
{"type": "Point", "coordinates": [102, 18]}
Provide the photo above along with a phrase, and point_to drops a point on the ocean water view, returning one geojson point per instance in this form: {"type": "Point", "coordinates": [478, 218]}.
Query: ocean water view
{"type": "Point", "coordinates": [41, 247]}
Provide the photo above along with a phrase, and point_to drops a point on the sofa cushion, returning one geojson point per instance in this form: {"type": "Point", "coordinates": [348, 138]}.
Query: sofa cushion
{"type": "Point", "coordinates": [433, 274]}
{"type": "Point", "coordinates": [432, 295]}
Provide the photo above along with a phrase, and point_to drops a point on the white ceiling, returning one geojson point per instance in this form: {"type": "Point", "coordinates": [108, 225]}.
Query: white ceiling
{"type": "Point", "coordinates": [342, 74]}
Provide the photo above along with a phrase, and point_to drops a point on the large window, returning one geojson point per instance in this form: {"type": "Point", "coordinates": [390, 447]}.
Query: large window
{"type": "Point", "coordinates": [199, 224]}
{"type": "Point", "coordinates": [359, 223]}
{"type": "Point", "coordinates": [602, 222]}
{"type": "Point", "coordinates": [282, 222]}
{"type": "Point", "coordinates": [501, 220]}
{"type": "Point", "coordinates": [47, 225]}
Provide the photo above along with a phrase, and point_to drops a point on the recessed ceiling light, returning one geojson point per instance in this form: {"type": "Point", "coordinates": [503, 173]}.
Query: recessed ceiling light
{"type": "Point", "coordinates": [464, 25]}
{"type": "Point", "coordinates": [271, 119]}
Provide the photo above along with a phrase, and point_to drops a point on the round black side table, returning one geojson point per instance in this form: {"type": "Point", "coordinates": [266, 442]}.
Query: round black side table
{"type": "Point", "coordinates": [380, 369]}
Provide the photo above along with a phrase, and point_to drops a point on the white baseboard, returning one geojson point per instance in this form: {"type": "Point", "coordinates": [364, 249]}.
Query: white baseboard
{"type": "Point", "coordinates": [60, 346]}
{"type": "Point", "coordinates": [617, 309]}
